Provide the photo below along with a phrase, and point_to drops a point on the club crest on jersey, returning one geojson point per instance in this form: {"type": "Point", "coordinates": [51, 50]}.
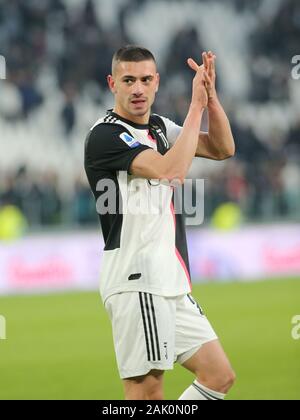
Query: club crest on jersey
{"type": "Point", "coordinates": [129, 140]}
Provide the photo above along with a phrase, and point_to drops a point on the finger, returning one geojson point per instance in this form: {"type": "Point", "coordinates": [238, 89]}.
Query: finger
{"type": "Point", "coordinates": [211, 65]}
{"type": "Point", "coordinates": [205, 60]}
{"type": "Point", "coordinates": [213, 59]}
{"type": "Point", "coordinates": [212, 56]}
{"type": "Point", "coordinates": [207, 79]}
{"type": "Point", "coordinates": [193, 65]}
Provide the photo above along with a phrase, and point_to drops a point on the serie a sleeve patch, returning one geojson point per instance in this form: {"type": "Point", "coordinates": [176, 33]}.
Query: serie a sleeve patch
{"type": "Point", "coordinates": [129, 140]}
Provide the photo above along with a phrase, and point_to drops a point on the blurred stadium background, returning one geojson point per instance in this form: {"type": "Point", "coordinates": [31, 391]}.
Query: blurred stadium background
{"type": "Point", "coordinates": [245, 258]}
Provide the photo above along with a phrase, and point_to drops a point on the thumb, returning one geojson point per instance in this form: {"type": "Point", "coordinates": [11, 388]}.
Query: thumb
{"type": "Point", "coordinates": [192, 64]}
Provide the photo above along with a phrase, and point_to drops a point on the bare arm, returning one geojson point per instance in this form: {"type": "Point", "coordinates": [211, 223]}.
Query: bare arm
{"type": "Point", "coordinates": [176, 162]}
{"type": "Point", "coordinates": [218, 143]}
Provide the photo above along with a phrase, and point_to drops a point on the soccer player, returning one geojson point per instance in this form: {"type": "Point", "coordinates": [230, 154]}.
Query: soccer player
{"type": "Point", "coordinates": [145, 283]}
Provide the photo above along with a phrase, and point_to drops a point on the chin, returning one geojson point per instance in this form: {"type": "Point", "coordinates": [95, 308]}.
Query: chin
{"type": "Point", "coordinates": [138, 112]}
{"type": "Point", "coordinates": [141, 113]}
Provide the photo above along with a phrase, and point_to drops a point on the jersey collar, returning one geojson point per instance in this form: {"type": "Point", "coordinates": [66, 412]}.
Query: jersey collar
{"type": "Point", "coordinates": [133, 124]}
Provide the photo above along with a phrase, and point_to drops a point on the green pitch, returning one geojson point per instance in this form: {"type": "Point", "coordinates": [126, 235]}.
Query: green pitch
{"type": "Point", "coordinates": [60, 346]}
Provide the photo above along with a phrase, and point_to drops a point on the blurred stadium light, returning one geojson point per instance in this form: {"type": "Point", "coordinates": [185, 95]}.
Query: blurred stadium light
{"type": "Point", "coordinates": [2, 67]}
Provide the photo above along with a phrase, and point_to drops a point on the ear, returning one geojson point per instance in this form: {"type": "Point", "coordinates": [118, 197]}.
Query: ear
{"type": "Point", "coordinates": [157, 82]}
{"type": "Point", "coordinates": [111, 83]}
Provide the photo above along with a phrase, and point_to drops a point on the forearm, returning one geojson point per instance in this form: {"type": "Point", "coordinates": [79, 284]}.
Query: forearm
{"type": "Point", "coordinates": [178, 159]}
{"type": "Point", "coordinates": [220, 136]}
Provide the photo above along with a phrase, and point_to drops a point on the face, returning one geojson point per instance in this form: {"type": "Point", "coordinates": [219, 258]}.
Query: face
{"type": "Point", "coordinates": [134, 86]}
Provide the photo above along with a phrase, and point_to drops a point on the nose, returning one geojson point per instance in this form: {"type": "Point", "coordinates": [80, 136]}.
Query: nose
{"type": "Point", "coordinates": [138, 88]}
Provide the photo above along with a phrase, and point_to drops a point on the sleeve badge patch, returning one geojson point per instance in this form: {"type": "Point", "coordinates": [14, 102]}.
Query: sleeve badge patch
{"type": "Point", "coordinates": [129, 140]}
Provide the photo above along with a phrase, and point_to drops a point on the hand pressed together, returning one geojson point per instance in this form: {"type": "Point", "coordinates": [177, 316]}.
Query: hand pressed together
{"type": "Point", "coordinates": [205, 78]}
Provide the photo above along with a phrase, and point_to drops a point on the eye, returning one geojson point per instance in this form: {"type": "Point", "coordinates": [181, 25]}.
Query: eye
{"type": "Point", "coordinates": [147, 79]}
{"type": "Point", "coordinates": [128, 81]}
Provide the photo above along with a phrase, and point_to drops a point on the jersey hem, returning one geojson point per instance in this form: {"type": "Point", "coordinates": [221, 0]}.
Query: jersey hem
{"type": "Point", "coordinates": [152, 290]}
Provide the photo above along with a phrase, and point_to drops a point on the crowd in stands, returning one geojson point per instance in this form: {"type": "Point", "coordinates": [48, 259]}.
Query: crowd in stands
{"type": "Point", "coordinates": [63, 49]}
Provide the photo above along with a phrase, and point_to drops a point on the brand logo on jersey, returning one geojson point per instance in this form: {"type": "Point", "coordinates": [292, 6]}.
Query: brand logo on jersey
{"type": "Point", "coordinates": [129, 140]}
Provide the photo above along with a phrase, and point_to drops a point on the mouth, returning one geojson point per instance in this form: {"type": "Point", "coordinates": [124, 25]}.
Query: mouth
{"type": "Point", "coordinates": [138, 102]}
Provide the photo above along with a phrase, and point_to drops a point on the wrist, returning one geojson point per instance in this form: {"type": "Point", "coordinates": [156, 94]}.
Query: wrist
{"type": "Point", "coordinates": [194, 116]}
{"type": "Point", "coordinates": [197, 107]}
{"type": "Point", "coordinates": [213, 101]}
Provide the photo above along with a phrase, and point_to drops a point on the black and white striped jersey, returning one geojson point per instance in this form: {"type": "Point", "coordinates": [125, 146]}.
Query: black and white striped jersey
{"type": "Point", "coordinates": [145, 241]}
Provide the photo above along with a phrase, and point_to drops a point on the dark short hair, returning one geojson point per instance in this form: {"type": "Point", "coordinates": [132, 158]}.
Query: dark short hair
{"type": "Point", "coordinates": [132, 53]}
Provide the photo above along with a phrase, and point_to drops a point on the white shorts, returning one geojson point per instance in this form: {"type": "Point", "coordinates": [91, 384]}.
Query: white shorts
{"type": "Point", "coordinates": [153, 332]}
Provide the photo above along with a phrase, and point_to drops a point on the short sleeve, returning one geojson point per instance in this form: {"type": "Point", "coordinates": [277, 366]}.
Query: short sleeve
{"type": "Point", "coordinates": [172, 130]}
{"type": "Point", "coordinates": [111, 147]}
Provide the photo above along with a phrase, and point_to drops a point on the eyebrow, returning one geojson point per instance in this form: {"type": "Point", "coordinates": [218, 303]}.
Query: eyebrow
{"type": "Point", "coordinates": [133, 77]}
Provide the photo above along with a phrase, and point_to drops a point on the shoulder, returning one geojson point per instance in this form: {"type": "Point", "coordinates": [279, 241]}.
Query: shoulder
{"type": "Point", "coordinates": [103, 132]}
{"type": "Point", "coordinates": [107, 119]}
{"type": "Point", "coordinates": [158, 120]}
{"type": "Point", "coordinates": [164, 123]}
{"type": "Point", "coordinates": [104, 129]}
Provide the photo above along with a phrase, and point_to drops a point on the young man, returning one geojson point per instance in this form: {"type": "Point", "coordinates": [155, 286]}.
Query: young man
{"type": "Point", "coordinates": [145, 278]}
